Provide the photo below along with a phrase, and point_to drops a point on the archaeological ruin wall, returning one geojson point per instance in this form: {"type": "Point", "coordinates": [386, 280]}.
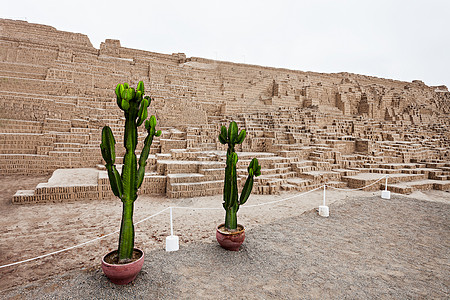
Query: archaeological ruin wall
{"type": "Point", "coordinates": [57, 92]}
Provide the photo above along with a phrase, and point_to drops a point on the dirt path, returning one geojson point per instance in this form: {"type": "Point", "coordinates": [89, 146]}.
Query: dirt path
{"type": "Point", "coordinates": [406, 230]}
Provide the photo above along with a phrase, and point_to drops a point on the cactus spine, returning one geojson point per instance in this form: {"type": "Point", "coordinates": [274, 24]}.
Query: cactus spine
{"type": "Point", "coordinates": [126, 185]}
{"type": "Point", "coordinates": [231, 202]}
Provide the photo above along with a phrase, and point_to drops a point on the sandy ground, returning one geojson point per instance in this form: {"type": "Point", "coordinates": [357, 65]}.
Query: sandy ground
{"type": "Point", "coordinates": [31, 230]}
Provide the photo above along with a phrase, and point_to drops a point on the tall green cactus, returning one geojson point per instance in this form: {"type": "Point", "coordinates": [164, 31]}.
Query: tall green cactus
{"type": "Point", "coordinates": [231, 202]}
{"type": "Point", "coordinates": [126, 185]}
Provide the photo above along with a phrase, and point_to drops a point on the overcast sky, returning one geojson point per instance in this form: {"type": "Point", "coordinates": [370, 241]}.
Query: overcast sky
{"type": "Point", "coordinates": [402, 40]}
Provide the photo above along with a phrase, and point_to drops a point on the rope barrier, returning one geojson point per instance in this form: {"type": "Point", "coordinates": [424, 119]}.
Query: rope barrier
{"type": "Point", "coordinates": [361, 188]}
{"type": "Point", "coordinates": [149, 217]}
{"type": "Point", "coordinates": [79, 245]}
{"type": "Point", "coordinates": [199, 208]}
{"type": "Point", "coordinates": [248, 206]}
{"type": "Point", "coordinates": [183, 207]}
{"type": "Point", "coordinates": [285, 199]}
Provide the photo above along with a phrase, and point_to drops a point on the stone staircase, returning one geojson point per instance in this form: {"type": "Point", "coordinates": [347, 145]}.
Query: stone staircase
{"type": "Point", "coordinates": [402, 178]}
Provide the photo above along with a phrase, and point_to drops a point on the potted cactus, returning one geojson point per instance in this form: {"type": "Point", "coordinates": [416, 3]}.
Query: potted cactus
{"type": "Point", "coordinates": [231, 235]}
{"type": "Point", "coordinates": [122, 265]}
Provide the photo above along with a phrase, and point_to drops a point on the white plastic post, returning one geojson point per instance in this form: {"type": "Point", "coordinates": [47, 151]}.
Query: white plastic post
{"type": "Point", "coordinates": [172, 241]}
{"type": "Point", "coordinates": [171, 222]}
{"type": "Point", "coordinates": [324, 211]}
{"type": "Point", "coordinates": [386, 194]}
{"type": "Point", "coordinates": [324, 192]}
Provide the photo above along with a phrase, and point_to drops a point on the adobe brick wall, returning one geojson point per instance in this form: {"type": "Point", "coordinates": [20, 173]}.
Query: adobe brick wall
{"type": "Point", "coordinates": [57, 92]}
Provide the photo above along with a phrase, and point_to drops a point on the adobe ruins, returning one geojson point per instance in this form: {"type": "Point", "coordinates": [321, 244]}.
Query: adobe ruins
{"type": "Point", "coordinates": [306, 128]}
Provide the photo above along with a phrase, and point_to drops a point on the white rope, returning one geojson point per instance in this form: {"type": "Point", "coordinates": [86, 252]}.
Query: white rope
{"type": "Point", "coordinates": [154, 215]}
{"type": "Point", "coordinates": [361, 188]}
{"type": "Point", "coordinates": [79, 245]}
{"type": "Point", "coordinates": [199, 208]}
{"type": "Point", "coordinates": [248, 206]}
{"type": "Point", "coordinates": [281, 200]}
{"type": "Point", "coordinates": [56, 252]}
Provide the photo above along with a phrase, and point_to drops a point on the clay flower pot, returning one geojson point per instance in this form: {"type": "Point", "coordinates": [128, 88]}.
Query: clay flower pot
{"type": "Point", "coordinates": [230, 240]}
{"type": "Point", "coordinates": [122, 273]}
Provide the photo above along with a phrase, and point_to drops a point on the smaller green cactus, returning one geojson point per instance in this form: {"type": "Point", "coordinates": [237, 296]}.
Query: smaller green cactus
{"type": "Point", "coordinates": [231, 202]}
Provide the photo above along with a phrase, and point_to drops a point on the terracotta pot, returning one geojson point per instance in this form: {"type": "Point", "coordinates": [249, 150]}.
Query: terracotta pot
{"type": "Point", "coordinates": [230, 240]}
{"type": "Point", "coordinates": [123, 273]}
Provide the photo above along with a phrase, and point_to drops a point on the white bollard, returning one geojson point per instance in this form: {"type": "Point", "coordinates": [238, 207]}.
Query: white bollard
{"type": "Point", "coordinates": [386, 194]}
{"type": "Point", "coordinates": [172, 241]}
{"type": "Point", "coordinates": [324, 211]}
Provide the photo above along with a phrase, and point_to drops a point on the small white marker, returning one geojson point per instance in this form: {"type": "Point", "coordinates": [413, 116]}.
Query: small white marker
{"type": "Point", "coordinates": [172, 241]}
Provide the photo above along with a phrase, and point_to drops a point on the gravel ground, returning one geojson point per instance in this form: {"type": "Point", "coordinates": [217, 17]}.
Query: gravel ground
{"type": "Point", "coordinates": [369, 248]}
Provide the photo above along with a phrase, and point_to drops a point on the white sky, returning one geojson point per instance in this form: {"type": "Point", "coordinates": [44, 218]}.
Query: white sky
{"type": "Point", "coordinates": [396, 39]}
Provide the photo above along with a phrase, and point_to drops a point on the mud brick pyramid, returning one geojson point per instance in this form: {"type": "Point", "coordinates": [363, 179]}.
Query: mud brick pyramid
{"type": "Point", "coordinates": [306, 128]}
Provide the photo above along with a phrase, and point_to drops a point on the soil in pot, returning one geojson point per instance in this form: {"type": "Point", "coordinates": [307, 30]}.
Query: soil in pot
{"type": "Point", "coordinates": [224, 230]}
{"type": "Point", "coordinates": [113, 257]}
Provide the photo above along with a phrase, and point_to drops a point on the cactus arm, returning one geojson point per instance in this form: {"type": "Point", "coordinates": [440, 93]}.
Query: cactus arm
{"type": "Point", "coordinates": [140, 87]}
{"type": "Point", "coordinates": [222, 140]}
{"type": "Point", "coordinates": [223, 135]}
{"type": "Point", "coordinates": [254, 169]}
{"type": "Point", "coordinates": [223, 131]}
{"type": "Point", "coordinates": [246, 190]}
{"type": "Point", "coordinates": [107, 146]}
{"type": "Point", "coordinates": [119, 102]}
{"type": "Point", "coordinates": [232, 134]}
{"type": "Point", "coordinates": [119, 90]}
{"type": "Point", "coordinates": [150, 126]}
{"type": "Point", "coordinates": [241, 136]}
{"type": "Point", "coordinates": [109, 155]}
{"type": "Point", "coordinates": [142, 114]}
{"type": "Point", "coordinates": [143, 160]}
{"type": "Point", "coordinates": [114, 180]}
